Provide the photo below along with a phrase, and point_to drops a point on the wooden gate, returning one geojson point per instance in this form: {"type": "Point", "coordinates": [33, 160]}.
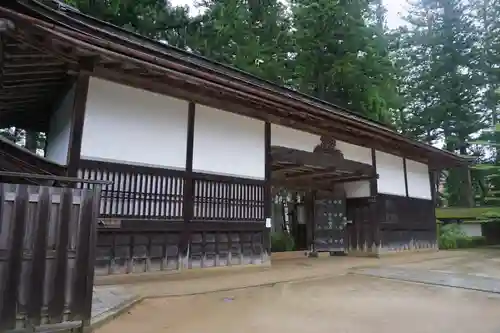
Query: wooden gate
{"type": "Point", "coordinates": [329, 222]}
{"type": "Point", "coordinates": [47, 241]}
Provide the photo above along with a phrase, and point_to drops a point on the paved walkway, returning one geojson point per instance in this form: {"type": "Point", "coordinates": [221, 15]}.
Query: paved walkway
{"type": "Point", "coordinates": [451, 268]}
{"type": "Point", "coordinates": [438, 278]}
{"type": "Point", "coordinates": [281, 271]}
{"type": "Point", "coordinates": [327, 294]}
{"type": "Point", "coordinates": [108, 300]}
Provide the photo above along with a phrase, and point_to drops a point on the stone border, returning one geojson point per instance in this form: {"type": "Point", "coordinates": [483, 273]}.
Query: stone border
{"type": "Point", "coordinates": [113, 313]}
{"type": "Point", "coordinates": [192, 273]}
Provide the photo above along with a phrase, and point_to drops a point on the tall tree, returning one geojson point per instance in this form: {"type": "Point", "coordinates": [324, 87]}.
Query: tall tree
{"type": "Point", "coordinates": [442, 39]}
{"type": "Point", "coordinates": [341, 55]}
{"type": "Point", "coordinates": [250, 35]}
{"type": "Point", "coordinates": [157, 19]}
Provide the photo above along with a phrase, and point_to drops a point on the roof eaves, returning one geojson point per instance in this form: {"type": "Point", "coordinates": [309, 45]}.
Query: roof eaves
{"type": "Point", "coordinates": [247, 79]}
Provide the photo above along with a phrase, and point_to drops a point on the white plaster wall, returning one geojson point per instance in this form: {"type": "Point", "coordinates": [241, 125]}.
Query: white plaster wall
{"type": "Point", "coordinates": [355, 153]}
{"type": "Point", "coordinates": [391, 174]}
{"type": "Point", "coordinates": [133, 125]}
{"type": "Point", "coordinates": [418, 180]}
{"type": "Point", "coordinates": [294, 139]}
{"type": "Point", "coordinates": [60, 130]}
{"type": "Point", "coordinates": [471, 229]}
{"type": "Point", "coordinates": [227, 143]}
{"type": "Point", "coordinates": [358, 189]}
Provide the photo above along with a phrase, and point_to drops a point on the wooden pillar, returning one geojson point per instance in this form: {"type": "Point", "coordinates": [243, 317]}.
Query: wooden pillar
{"type": "Point", "coordinates": [433, 179]}
{"type": "Point", "coordinates": [433, 183]}
{"type": "Point", "coordinates": [267, 185]}
{"type": "Point", "coordinates": [374, 216]}
{"type": "Point", "coordinates": [78, 116]}
{"type": "Point", "coordinates": [469, 195]}
{"type": "Point", "coordinates": [405, 170]}
{"type": "Point", "coordinates": [188, 195]}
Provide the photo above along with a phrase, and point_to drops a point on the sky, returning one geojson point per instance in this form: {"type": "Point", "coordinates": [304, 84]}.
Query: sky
{"type": "Point", "coordinates": [394, 10]}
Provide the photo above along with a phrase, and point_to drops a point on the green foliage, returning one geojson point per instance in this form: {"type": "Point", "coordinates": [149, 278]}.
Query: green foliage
{"type": "Point", "coordinates": [157, 19]}
{"type": "Point", "coordinates": [436, 79]}
{"type": "Point", "coordinates": [249, 36]}
{"type": "Point", "coordinates": [282, 242]}
{"type": "Point", "coordinates": [449, 235]}
{"type": "Point", "coordinates": [341, 55]}
{"type": "Point", "coordinates": [470, 213]}
{"type": "Point", "coordinates": [452, 237]}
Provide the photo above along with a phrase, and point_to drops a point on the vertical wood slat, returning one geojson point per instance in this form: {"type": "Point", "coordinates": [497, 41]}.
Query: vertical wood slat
{"type": "Point", "coordinates": [4, 257]}
{"type": "Point", "coordinates": [35, 300]}
{"type": "Point", "coordinates": [56, 306]}
{"type": "Point", "coordinates": [137, 192]}
{"type": "Point", "coordinates": [28, 235]}
{"type": "Point", "coordinates": [80, 283]}
{"type": "Point", "coordinates": [228, 200]}
{"type": "Point", "coordinates": [15, 251]}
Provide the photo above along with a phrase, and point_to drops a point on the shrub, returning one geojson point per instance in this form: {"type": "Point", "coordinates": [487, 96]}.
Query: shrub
{"type": "Point", "coordinates": [451, 237]}
{"type": "Point", "coordinates": [477, 241]}
{"type": "Point", "coordinates": [282, 242]}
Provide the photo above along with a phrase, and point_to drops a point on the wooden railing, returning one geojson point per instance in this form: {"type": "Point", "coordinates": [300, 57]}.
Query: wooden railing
{"type": "Point", "coordinates": [219, 198]}
{"type": "Point", "coordinates": [143, 192]}
{"type": "Point", "coordinates": [136, 191]}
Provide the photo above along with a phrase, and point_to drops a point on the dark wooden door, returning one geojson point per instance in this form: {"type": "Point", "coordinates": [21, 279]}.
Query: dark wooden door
{"type": "Point", "coordinates": [329, 222]}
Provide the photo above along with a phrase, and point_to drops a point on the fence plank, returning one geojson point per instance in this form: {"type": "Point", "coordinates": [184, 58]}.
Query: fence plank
{"type": "Point", "coordinates": [35, 233]}
{"type": "Point", "coordinates": [81, 292]}
{"type": "Point", "coordinates": [35, 299]}
{"type": "Point", "coordinates": [13, 271]}
{"type": "Point", "coordinates": [56, 306]}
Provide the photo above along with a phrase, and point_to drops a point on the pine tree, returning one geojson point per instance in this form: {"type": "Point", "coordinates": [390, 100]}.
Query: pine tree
{"type": "Point", "coordinates": [341, 55]}
{"type": "Point", "coordinates": [446, 90]}
{"type": "Point", "coordinates": [249, 35]}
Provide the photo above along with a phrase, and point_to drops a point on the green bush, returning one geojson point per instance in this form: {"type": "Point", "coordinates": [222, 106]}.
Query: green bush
{"type": "Point", "coordinates": [477, 241]}
{"type": "Point", "coordinates": [452, 237]}
{"type": "Point", "coordinates": [282, 242]}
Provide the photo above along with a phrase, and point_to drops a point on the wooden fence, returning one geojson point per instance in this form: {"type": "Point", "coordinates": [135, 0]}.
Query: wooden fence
{"type": "Point", "coordinates": [47, 242]}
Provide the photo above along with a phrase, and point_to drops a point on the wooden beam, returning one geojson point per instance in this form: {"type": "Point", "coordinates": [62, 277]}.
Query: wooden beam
{"type": "Point", "coordinates": [405, 170]}
{"type": "Point", "coordinates": [27, 65]}
{"type": "Point", "coordinates": [267, 186]}
{"type": "Point", "coordinates": [78, 119]}
{"type": "Point", "coordinates": [320, 183]}
{"type": "Point", "coordinates": [374, 205]}
{"type": "Point", "coordinates": [308, 175]}
{"type": "Point", "coordinates": [322, 160]}
{"type": "Point", "coordinates": [188, 195]}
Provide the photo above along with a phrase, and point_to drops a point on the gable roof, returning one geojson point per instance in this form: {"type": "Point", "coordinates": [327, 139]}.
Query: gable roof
{"type": "Point", "coordinates": [53, 26]}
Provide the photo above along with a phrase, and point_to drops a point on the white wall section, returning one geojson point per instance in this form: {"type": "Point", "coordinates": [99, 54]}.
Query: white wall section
{"type": "Point", "coordinates": [355, 153]}
{"type": "Point", "coordinates": [294, 139]}
{"type": "Point", "coordinates": [227, 143]}
{"type": "Point", "coordinates": [418, 180]}
{"type": "Point", "coordinates": [471, 229]}
{"type": "Point", "coordinates": [133, 125]}
{"type": "Point", "coordinates": [358, 189]}
{"type": "Point", "coordinates": [391, 174]}
{"type": "Point", "coordinates": [60, 130]}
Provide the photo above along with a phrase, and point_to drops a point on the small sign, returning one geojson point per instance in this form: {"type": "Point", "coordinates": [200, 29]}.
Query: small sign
{"type": "Point", "coordinates": [268, 223]}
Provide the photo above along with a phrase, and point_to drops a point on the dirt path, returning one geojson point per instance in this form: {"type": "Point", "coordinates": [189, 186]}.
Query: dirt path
{"type": "Point", "coordinates": [337, 303]}
{"type": "Point", "coordinates": [349, 304]}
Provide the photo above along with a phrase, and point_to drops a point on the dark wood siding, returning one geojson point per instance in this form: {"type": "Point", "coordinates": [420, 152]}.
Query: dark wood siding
{"type": "Point", "coordinates": [165, 225]}
{"type": "Point", "coordinates": [406, 222]}
{"type": "Point", "coordinates": [47, 241]}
